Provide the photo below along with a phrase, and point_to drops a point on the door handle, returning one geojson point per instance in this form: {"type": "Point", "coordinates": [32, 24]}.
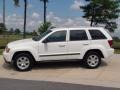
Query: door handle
{"type": "Point", "coordinates": [61, 45]}
{"type": "Point", "coordinates": [86, 44]}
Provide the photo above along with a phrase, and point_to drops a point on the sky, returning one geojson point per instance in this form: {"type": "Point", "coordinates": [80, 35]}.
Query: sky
{"type": "Point", "coordinates": [62, 13]}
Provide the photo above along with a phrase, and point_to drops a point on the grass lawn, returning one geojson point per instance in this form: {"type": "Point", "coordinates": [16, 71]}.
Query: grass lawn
{"type": "Point", "coordinates": [117, 51]}
{"type": "Point", "coordinates": [116, 45]}
{"type": "Point", "coordinates": [1, 51]}
{"type": "Point", "coordinates": [5, 40]}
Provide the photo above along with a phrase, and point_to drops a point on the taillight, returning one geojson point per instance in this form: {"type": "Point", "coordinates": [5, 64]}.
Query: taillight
{"type": "Point", "coordinates": [110, 42]}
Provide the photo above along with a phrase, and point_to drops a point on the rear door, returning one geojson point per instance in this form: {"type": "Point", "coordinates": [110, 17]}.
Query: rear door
{"type": "Point", "coordinates": [78, 39]}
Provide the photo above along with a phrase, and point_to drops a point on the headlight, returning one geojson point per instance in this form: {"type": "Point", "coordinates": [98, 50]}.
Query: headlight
{"type": "Point", "coordinates": [7, 49]}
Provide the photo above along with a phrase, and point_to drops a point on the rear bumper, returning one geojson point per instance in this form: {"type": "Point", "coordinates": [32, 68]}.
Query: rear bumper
{"type": "Point", "coordinates": [110, 52]}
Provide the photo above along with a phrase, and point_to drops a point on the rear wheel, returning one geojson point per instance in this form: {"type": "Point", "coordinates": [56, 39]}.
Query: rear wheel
{"type": "Point", "coordinates": [92, 60]}
{"type": "Point", "coordinates": [23, 62]}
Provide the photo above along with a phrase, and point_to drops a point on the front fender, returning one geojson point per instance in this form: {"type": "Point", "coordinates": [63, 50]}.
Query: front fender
{"type": "Point", "coordinates": [34, 52]}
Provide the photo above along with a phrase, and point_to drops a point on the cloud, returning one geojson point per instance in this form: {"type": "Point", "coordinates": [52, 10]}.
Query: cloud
{"type": "Point", "coordinates": [35, 15]}
{"type": "Point", "coordinates": [35, 19]}
{"type": "Point", "coordinates": [30, 6]}
{"type": "Point", "coordinates": [52, 17]}
{"type": "Point", "coordinates": [77, 3]}
{"type": "Point", "coordinates": [0, 16]}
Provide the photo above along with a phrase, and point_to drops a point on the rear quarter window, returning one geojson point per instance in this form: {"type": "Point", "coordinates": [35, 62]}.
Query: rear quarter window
{"type": "Point", "coordinates": [97, 34]}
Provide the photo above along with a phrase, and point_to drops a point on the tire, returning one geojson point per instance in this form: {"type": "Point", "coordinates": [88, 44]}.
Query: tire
{"type": "Point", "coordinates": [23, 62]}
{"type": "Point", "coordinates": [92, 60]}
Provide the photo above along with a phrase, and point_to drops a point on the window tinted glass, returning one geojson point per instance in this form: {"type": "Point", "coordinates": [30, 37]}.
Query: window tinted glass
{"type": "Point", "coordinates": [96, 34]}
{"type": "Point", "coordinates": [76, 35]}
{"type": "Point", "coordinates": [58, 36]}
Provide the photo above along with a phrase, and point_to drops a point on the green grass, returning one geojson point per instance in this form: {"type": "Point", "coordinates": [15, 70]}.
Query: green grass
{"type": "Point", "coordinates": [117, 51]}
{"type": "Point", "coordinates": [10, 38]}
{"type": "Point", "coordinates": [116, 45]}
{"type": "Point", "coordinates": [1, 51]}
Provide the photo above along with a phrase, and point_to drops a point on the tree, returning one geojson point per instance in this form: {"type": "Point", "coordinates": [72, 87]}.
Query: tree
{"type": "Point", "coordinates": [17, 31]}
{"type": "Point", "coordinates": [34, 33]}
{"type": "Point", "coordinates": [116, 38]}
{"type": "Point", "coordinates": [11, 31]}
{"type": "Point", "coordinates": [102, 12]}
{"type": "Point", "coordinates": [45, 6]}
{"type": "Point", "coordinates": [25, 15]}
{"type": "Point", "coordinates": [2, 28]}
{"type": "Point", "coordinates": [44, 27]}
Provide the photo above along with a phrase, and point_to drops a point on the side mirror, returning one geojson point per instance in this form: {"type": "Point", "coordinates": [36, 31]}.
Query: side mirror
{"type": "Point", "coordinates": [45, 41]}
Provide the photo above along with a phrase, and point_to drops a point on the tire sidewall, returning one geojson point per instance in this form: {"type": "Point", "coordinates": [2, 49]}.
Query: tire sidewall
{"type": "Point", "coordinates": [21, 55]}
{"type": "Point", "coordinates": [86, 60]}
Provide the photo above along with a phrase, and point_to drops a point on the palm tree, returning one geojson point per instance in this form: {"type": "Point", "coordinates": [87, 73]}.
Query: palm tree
{"type": "Point", "coordinates": [44, 27]}
{"type": "Point", "coordinates": [45, 6]}
{"type": "Point", "coordinates": [4, 12]}
{"type": "Point", "coordinates": [25, 15]}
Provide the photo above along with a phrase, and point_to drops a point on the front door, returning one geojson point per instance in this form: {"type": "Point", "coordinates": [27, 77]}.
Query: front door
{"type": "Point", "coordinates": [54, 47]}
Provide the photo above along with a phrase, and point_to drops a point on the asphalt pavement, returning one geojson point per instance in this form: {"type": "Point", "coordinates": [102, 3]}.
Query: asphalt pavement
{"type": "Point", "coordinates": [13, 84]}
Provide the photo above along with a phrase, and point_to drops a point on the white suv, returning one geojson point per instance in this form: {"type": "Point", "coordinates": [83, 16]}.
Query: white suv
{"type": "Point", "coordinates": [87, 44]}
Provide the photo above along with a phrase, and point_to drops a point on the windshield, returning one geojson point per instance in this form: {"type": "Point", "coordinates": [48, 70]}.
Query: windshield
{"type": "Point", "coordinates": [37, 38]}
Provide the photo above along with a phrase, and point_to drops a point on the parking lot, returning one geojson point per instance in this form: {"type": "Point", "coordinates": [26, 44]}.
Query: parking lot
{"type": "Point", "coordinates": [107, 75]}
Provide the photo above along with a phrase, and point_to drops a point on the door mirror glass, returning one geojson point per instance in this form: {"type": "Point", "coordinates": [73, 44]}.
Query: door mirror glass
{"type": "Point", "coordinates": [45, 41]}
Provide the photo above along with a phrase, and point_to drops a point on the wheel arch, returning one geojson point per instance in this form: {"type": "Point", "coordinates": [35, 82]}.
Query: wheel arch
{"type": "Point", "coordinates": [95, 50]}
{"type": "Point", "coordinates": [26, 52]}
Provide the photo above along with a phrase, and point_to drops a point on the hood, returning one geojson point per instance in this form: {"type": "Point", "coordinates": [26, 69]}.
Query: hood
{"type": "Point", "coordinates": [19, 42]}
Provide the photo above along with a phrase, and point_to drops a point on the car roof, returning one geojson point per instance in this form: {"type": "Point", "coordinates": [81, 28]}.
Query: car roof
{"type": "Point", "coordinates": [76, 28]}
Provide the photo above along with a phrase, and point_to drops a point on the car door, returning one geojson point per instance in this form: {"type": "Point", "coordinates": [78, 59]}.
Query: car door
{"type": "Point", "coordinates": [78, 40]}
{"type": "Point", "coordinates": [54, 47]}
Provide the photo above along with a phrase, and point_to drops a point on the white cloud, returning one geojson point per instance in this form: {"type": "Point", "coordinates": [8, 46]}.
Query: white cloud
{"type": "Point", "coordinates": [33, 21]}
{"type": "Point", "coordinates": [35, 15]}
{"type": "Point", "coordinates": [0, 16]}
{"type": "Point", "coordinates": [52, 17]}
{"type": "Point", "coordinates": [30, 5]}
{"type": "Point", "coordinates": [77, 3]}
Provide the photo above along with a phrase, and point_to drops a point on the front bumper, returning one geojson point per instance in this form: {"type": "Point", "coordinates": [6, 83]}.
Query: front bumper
{"type": "Point", "coordinates": [7, 57]}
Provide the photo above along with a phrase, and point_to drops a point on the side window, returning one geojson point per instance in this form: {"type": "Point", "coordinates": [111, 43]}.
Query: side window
{"type": "Point", "coordinates": [76, 35]}
{"type": "Point", "coordinates": [58, 36]}
{"type": "Point", "coordinates": [97, 34]}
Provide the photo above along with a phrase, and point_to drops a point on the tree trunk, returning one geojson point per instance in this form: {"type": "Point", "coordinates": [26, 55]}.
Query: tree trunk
{"type": "Point", "coordinates": [45, 11]}
{"type": "Point", "coordinates": [4, 18]}
{"type": "Point", "coordinates": [4, 12]}
{"type": "Point", "coordinates": [25, 15]}
{"type": "Point", "coordinates": [91, 24]}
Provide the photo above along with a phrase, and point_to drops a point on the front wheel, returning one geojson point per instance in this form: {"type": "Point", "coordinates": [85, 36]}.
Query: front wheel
{"type": "Point", "coordinates": [92, 60]}
{"type": "Point", "coordinates": [23, 62]}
